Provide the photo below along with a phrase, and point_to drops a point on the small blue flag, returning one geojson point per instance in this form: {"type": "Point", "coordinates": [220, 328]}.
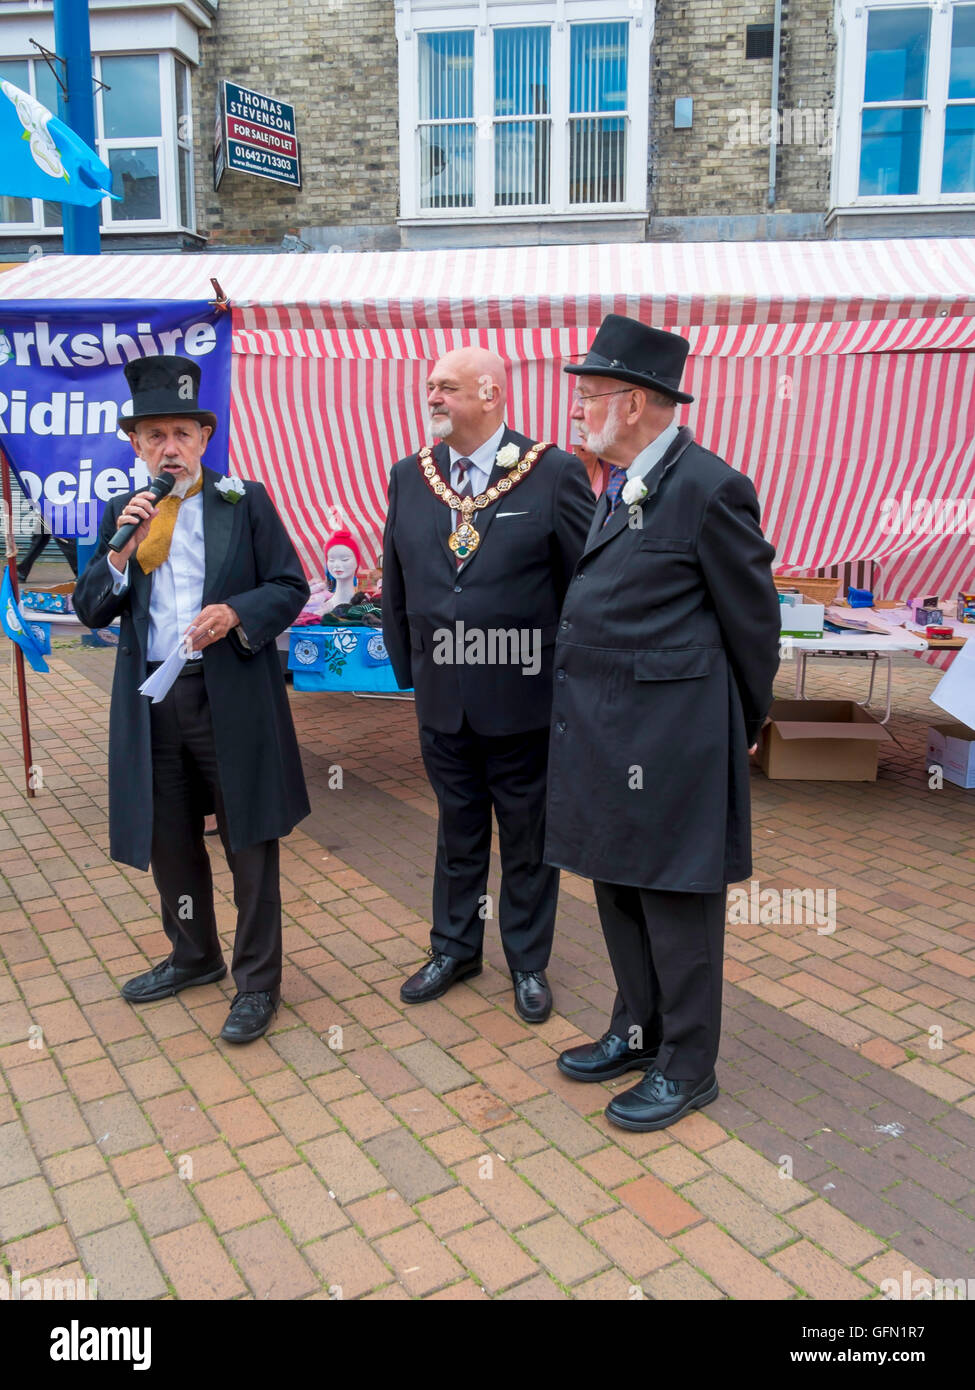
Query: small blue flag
{"type": "Point", "coordinates": [15, 627]}
{"type": "Point", "coordinates": [44, 158]}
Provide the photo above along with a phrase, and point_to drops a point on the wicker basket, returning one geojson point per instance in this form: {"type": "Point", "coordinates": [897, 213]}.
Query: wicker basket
{"type": "Point", "coordinates": [814, 587]}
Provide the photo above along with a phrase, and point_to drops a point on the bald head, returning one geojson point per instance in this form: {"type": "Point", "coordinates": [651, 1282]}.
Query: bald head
{"type": "Point", "coordinates": [466, 395]}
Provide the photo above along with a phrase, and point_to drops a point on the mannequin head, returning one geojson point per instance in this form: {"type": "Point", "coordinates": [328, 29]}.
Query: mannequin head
{"type": "Point", "coordinates": [342, 560]}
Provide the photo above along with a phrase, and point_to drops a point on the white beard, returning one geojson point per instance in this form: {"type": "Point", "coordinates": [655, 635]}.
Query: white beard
{"type": "Point", "coordinates": [441, 426]}
{"type": "Point", "coordinates": [180, 489]}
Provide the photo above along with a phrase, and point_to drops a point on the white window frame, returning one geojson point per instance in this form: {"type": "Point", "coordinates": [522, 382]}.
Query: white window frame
{"type": "Point", "coordinates": [852, 18]}
{"type": "Point", "coordinates": [166, 143]}
{"type": "Point", "coordinates": [484, 16]}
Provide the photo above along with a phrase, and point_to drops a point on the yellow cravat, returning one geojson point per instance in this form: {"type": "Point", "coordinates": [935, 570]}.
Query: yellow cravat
{"type": "Point", "coordinates": [154, 550]}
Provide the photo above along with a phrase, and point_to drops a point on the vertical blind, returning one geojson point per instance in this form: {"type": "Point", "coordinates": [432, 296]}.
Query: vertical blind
{"type": "Point", "coordinates": [446, 128]}
{"type": "Point", "coordinates": [591, 96]}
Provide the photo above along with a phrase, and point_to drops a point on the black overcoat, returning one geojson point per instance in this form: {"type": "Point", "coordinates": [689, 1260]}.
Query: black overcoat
{"type": "Point", "coordinates": [515, 581]}
{"type": "Point", "coordinates": [251, 565]}
{"type": "Point", "coordinates": [667, 648]}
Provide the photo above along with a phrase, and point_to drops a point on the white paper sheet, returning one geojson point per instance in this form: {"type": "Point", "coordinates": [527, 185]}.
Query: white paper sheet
{"type": "Point", "coordinates": [955, 692]}
{"type": "Point", "coordinates": [158, 685]}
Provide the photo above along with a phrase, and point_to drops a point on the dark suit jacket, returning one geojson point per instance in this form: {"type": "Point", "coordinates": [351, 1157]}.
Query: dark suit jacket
{"type": "Point", "coordinates": [251, 565]}
{"type": "Point", "coordinates": [668, 646]}
{"type": "Point", "coordinates": [515, 581]}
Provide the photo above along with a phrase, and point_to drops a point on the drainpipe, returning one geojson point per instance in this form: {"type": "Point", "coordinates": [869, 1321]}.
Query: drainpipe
{"type": "Point", "coordinates": [773, 142]}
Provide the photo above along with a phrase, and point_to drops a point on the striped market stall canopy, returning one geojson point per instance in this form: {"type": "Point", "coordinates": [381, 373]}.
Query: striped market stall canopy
{"type": "Point", "coordinates": [840, 376]}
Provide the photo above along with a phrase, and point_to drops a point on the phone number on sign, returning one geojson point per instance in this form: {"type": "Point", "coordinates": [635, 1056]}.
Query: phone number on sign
{"type": "Point", "coordinates": [262, 157]}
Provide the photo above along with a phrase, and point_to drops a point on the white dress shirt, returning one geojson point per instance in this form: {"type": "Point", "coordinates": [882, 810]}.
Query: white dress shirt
{"type": "Point", "coordinates": [652, 454]}
{"type": "Point", "coordinates": [482, 463]}
{"type": "Point", "coordinates": [177, 585]}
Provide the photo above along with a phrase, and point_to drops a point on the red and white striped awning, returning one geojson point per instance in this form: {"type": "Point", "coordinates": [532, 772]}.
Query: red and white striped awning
{"type": "Point", "coordinates": [835, 374]}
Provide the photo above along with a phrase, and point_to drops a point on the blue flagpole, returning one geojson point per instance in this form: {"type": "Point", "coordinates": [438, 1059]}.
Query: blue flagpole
{"type": "Point", "coordinates": [72, 40]}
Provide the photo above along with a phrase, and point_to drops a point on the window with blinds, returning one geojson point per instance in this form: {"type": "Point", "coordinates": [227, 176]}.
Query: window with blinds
{"type": "Point", "coordinates": [522, 117]}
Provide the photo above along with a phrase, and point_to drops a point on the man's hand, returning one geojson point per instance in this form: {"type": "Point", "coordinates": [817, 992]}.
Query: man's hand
{"type": "Point", "coordinates": [213, 623]}
{"type": "Point", "coordinates": [754, 748]}
{"type": "Point", "coordinates": [138, 510]}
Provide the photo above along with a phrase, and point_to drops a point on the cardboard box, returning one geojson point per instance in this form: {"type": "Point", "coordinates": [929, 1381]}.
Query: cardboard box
{"type": "Point", "coordinates": [821, 741]}
{"type": "Point", "coordinates": [952, 747]}
{"type": "Point", "coordinates": [802, 619]}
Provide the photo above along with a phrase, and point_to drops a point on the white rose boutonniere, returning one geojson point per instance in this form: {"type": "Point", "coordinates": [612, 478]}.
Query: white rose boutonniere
{"type": "Point", "coordinates": [634, 490]}
{"type": "Point", "coordinates": [230, 489]}
{"type": "Point", "coordinates": [508, 456]}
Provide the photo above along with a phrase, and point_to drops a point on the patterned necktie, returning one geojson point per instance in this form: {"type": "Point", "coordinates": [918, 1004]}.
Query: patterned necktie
{"type": "Point", "coordinates": [614, 489]}
{"type": "Point", "coordinates": [154, 550]}
{"type": "Point", "coordinates": [463, 489]}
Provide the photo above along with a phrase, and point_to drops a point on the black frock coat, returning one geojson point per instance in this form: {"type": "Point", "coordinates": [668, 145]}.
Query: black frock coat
{"type": "Point", "coordinates": [667, 648]}
{"type": "Point", "coordinates": [252, 565]}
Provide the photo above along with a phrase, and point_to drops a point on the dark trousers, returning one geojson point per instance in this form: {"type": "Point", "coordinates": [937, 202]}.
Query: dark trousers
{"type": "Point", "coordinates": [186, 787]}
{"type": "Point", "coordinates": [667, 953]}
{"type": "Point", "coordinates": [470, 774]}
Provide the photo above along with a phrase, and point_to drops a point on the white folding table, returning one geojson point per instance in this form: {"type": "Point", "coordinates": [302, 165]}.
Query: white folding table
{"type": "Point", "coordinates": [857, 646]}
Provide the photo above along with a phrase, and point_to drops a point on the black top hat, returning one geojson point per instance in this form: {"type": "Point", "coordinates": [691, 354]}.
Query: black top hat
{"type": "Point", "coordinates": [632, 351]}
{"type": "Point", "coordinates": [164, 386]}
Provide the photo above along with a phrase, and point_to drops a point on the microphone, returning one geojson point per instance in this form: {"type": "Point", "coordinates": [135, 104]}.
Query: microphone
{"type": "Point", "coordinates": [160, 487]}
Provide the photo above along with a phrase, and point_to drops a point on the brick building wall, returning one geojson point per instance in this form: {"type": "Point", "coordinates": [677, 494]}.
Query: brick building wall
{"type": "Point", "coordinates": [720, 167]}
{"type": "Point", "coordinates": [335, 62]}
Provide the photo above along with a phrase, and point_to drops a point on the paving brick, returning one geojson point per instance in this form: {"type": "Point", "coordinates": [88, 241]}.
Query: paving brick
{"type": "Point", "coordinates": [117, 1124]}
{"type": "Point", "coordinates": [164, 1205]}
{"type": "Point", "coordinates": [450, 1211]}
{"type": "Point", "coordinates": [197, 1264]}
{"type": "Point", "coordinates": [211, 1079]}
{"type": "Point", "coordinates": [179, 1121]}
{"type": "Point", "coordinates": [46, 1250]}
{"type": "Point", "coordinates": [566, 1253]}
{"type": "Point", "coordinates": [409, 1167]}
{"type": "Point", "coordinates": [302, 1117]}
{"type": "Point", "coordinates": [454, 1145]}
{"type": "Point", "coordinates": [850, 1243]}
{"type": "Point", "coordinates": [419, 1261]}
{"type": "Point", "coordinates": [41, 1079]}
{"type": "Point", "coordinates": [268, 1156]}
{"type": "Point", "coordinates": [465, 1290]}
{"type": "Point", "coordinates": [17, 1159]}
{"type": "Point", "coordinates": [657, 1205]}
{"type": "Point", "coordinates": [54, 1123]}
{"type": "Point", "coordinates": [91, 1205]}
{"type": "Point", "coordinates": [304, 1051]}
{"type": "Point", "coordinates": [676, 1165]}
{"type": "Point", "coordinates": [568, 1189]}
{"type": "Point", "coordinates": [757, 1175]}
{"type": "Point", "coordinates": [342, 1167]}
{"type": "Point", "coordinates": [478, 1107]}
{"type": "Point", "coordinates": [629, 1244]}
{"type": "Point", "coordinates": [817, 1274]}
{"type": "Point", "coordinates": [491, 1255]}
{"type": "Point", "coordinates": [302, 1203]}
{"type": "Point", "coordinates": [364, 1116]}
{"type": "Point", "coordinates": [242, 1121]}
{"type": "Point", "coordinates": [348, 1265]}
{"type": "Point", "coordinates": [384, 1212]}
{"type": "Point", "coordinates": [433, 1067]}
{"type": "Point", "coordinates": [231, 1201]}
{"type": "Point", "coordinates": [610, 1166]}
{"type": "Point", "coordinates": [731, 1267]}
{"type": "Point", "coordinates": [141, 1166]}
{"type": "Point", "coordinates": [121, 1263]}
{"type": "Point", "coordinates": [496, 1186]}
{"type": "Point", "coordinates": [680, 1283]}
{"type": "Point", "coordinates": [561, 1126]}
{"type": "Point", "coordinates": [26, 1207]}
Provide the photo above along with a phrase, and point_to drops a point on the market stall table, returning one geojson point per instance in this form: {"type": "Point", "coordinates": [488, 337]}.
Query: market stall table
{"type": "Point", "coordinates": [856, 646]}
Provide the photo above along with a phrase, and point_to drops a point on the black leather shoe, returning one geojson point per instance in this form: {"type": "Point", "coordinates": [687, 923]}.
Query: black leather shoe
{"type": "Point", "coordinates": [533, 998]}
{"type": "Point", "coordinates": [655, 1102]}
{"type": "Point", "coordinates": [250, 1016]}
{"type": "Point", "coordinates": [437, 976]}
{"type": "Point", "coordinates": [164, 979]}
{"type": "Point", "coordinates": [601, 1061]}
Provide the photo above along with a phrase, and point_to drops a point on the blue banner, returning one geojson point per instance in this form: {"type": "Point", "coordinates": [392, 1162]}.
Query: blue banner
{"type": "Point", "coordinates": [62, 389]}
{"type": "Point", "coordinates": [13, 625]}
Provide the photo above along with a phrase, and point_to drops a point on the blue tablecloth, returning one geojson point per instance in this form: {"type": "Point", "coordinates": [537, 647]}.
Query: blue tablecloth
{"type": "Point", "coordinates": [340, 658]}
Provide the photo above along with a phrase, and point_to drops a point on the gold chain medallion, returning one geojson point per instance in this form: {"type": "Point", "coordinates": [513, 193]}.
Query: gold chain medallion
{"type": "Point", "coordinates": [465, 540]}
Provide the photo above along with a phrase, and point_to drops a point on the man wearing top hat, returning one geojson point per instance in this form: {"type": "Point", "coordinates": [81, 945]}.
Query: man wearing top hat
{"type": "Point", "coordinates": [212, 571]}
{"type": "Point", "coordinates": [667, 648]}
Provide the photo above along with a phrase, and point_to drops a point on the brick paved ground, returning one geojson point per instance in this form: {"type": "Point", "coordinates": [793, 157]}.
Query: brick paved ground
{"type": "Point", "coordinates": [365, 1150]}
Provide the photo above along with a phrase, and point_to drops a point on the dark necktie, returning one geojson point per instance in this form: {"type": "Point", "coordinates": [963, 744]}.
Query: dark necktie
{"type": "Point", "coordinates": [614, 489]}
{"type": "Point", "coordinates": [463, 489]}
